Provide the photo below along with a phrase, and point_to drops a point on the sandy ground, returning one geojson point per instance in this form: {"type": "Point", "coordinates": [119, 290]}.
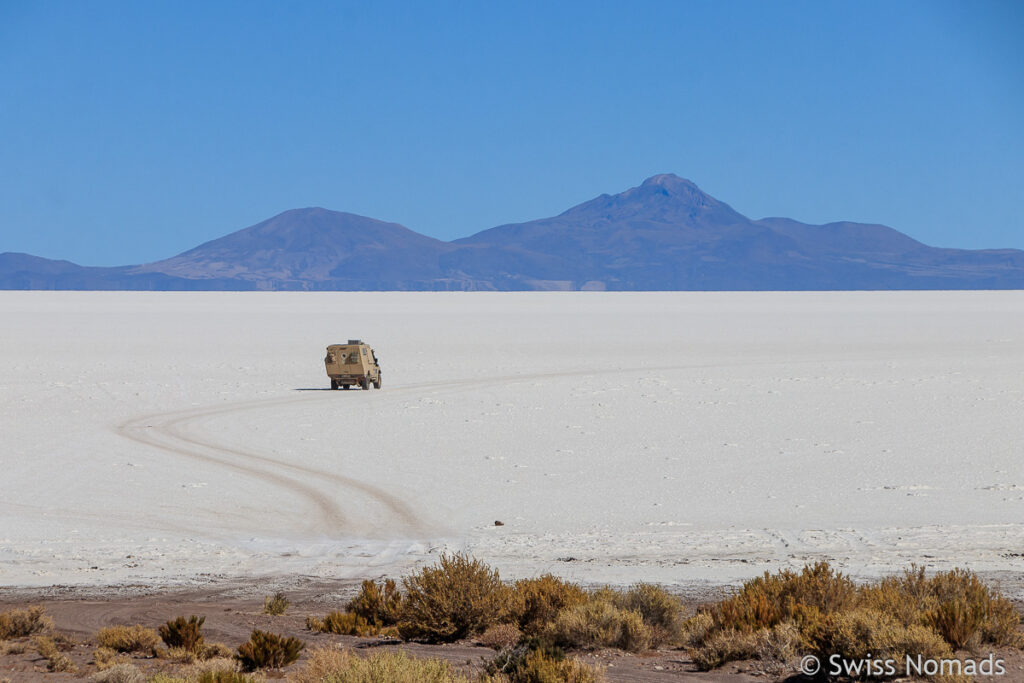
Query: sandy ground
{"type": "Point", "coordinates": [232, 613]}
{"type": "Point", "coordinates": [230, 618]}
{"type": "Point", "coordinates": [177, 439]}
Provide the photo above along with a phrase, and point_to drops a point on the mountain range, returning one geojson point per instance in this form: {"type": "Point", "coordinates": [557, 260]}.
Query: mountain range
{"type": "Point", "coordinates": [665, 234]}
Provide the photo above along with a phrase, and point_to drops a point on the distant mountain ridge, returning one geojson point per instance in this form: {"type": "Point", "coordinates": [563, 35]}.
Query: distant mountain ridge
{"type": "Point", "coordinates": [665, 234]}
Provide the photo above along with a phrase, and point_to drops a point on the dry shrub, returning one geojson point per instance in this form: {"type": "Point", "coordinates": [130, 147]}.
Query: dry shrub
{"type": "Point", "coordinates": [104, 658]}
{"type": "Point", "coordinates": [379, 604]}
{"type": "Point", "coordinates": [183, 633]}
{"type": "Point", "coordinates": [331, 665]}
{"type": "Point", "coordinates": [778, 649]}
{"type": "Point", "coordinates": [967, 608]}
{"type": "Point", "coordinates": [7, 648]}
{"type": "Point", "coordinates": [534, 603]}
{"type": "Point", "coordinates": [660, 610]}
{"type": "Point", "coordinates": [268, 651]}
{"type": "Point", "coordinates": [772, 599]}
{"type": "Point", "coordinates": [956, 604]}
{"type": "Point", "coordinates": [275, 605]}
{"type": "Point", "coordinates": [55, 659]}
{"type": "Point", "coordinates": [501, 636]}
{"type": "Point", "coordinates": [599, 623]}
{"type": "Point", "coordinates": [218, 670]}
{"type": "Point", "coordinates": [910, 614]}
{"type": "Point", "coordinates": [342, 623]}
{"type": "Point", "coordinates": [213, 651]}
{"type": "Point", "coordinates": [695, 629]}
{"type": "Point", "coordinates": [179, 655]}
{"type": "Point", "coordinates": [19, 623]}
{"type": "Point", "coordinates": [541, 666]}
{"type": "Point", "coordinates": [957, 622]}
{"type": "Point", "coordinates": [458, 597]}
{"type": "Point", "coordinates": [323, 662]}
{"type": "Point", "coordinates": [128, 638]}
{"type": "Point", "coordinates": [725, 646]}
{"type": "Point", "coordinates": [226, 676]}
{"type": "Point", "coordinates": [119, 673]}
{"type": "Point", "coordinates": [856, 634]}
{"type": "Point", "coordinates": [1002, 624]}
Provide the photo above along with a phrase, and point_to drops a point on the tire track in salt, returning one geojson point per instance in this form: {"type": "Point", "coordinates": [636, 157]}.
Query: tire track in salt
{"type": "Point", "coordinates": [177, 428]}
{"type": "Point", "coordinates": [171, 432]}
{"type": "Point", "coordinates": [151, 430]}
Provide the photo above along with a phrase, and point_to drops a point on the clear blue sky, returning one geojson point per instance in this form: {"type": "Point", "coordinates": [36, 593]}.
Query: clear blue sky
{"type": "Point", "coordinates": [132, 131]}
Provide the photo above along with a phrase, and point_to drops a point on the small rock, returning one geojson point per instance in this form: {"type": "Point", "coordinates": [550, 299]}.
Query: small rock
{"type": "Point", "coordinates": [498, 522]}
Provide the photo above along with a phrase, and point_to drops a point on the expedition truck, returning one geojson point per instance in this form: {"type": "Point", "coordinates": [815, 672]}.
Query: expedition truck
{"type": "Point", "coordinates": [352, 363]}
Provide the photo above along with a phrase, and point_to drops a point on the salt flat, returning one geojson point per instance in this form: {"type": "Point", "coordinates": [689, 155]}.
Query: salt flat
{"type": "Point", "coordinates": [678, 437]}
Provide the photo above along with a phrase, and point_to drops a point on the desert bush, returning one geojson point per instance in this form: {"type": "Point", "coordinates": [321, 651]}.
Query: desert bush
{"type": "Point", "coordinates": [457, 597]}
{"type": "Point", "coordinates": [128, 638]}
{"type": "Point", "coordinates": [967, 608]}
{"type": "Point", "coordinates": [379, 604]}
{"type": "Point", "coordinates": [268, 651]}
{"type": "Point", "coordinates": [660, 610]}
{"type": "Point", "coordinates": [778, 649]}
{"type": "Point", "coordinates": [276, 604]}
{"type": "Point", "coordinates": [724, 646]}
{"type": "Point", "coordinates": [695, 629]}
{"type": "Point", "coordinates": [772, 599]}
{"type": "Point", "coordinates": [500, 636]}
{"type": "Point", "coordinates": [55, 659]}
{"type": "Point", "coordinates": [599, 623]}
{"type": "Point", "coordinates": [1002, 624]}
{"type": "Point", "coordinates": [534, 662]}
{"type": "Point", "coordinates": [104, 657]}
{"type": "Point", "coordinates": [19, 623]}
{"type": "Point", "coordinates": [956, 604]}
{"type": "Point", "coordinates": [910, 614]}
{"type": "Point", "coordinates": [534, 603]}
{"type": "Point", "coordinates": [342, 623]}
{"type": "Point", "coordinates": [184, 633]}
{"type": "Point", "coordinates": [858, 633]}
{"type": "Point", "coordinates": [12, 648]}
{"type": "Point", "coordinates": [119, 673]}
{"type": "Point", "coordinates": [957, 621]}
{"type": "Point", "coordinates": [331, 665]}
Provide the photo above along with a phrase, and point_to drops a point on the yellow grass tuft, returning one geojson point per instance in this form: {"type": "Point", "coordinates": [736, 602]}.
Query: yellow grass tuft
{"type": "Point", "coordinates": [19, 623]}
{"type": "Point", "coordinates": [341, 666]}
{"type": "Point", "coordinates": [129, 639]}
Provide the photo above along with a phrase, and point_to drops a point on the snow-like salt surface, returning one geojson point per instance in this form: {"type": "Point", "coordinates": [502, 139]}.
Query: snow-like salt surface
{"type": "Point", "coordinates": [673, 437]}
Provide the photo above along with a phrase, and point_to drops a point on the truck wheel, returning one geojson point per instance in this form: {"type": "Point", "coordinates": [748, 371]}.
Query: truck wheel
{"type": "Point", "coordinates": [334, 384]}
{"type": "Point", "coordinates": [376, 385]}
{"type": "Point", "coordinates": [365, 384]}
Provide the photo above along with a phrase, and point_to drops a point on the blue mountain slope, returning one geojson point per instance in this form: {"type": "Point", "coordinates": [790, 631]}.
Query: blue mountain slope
{"type": "Point", "coordinates": [665, 234]}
